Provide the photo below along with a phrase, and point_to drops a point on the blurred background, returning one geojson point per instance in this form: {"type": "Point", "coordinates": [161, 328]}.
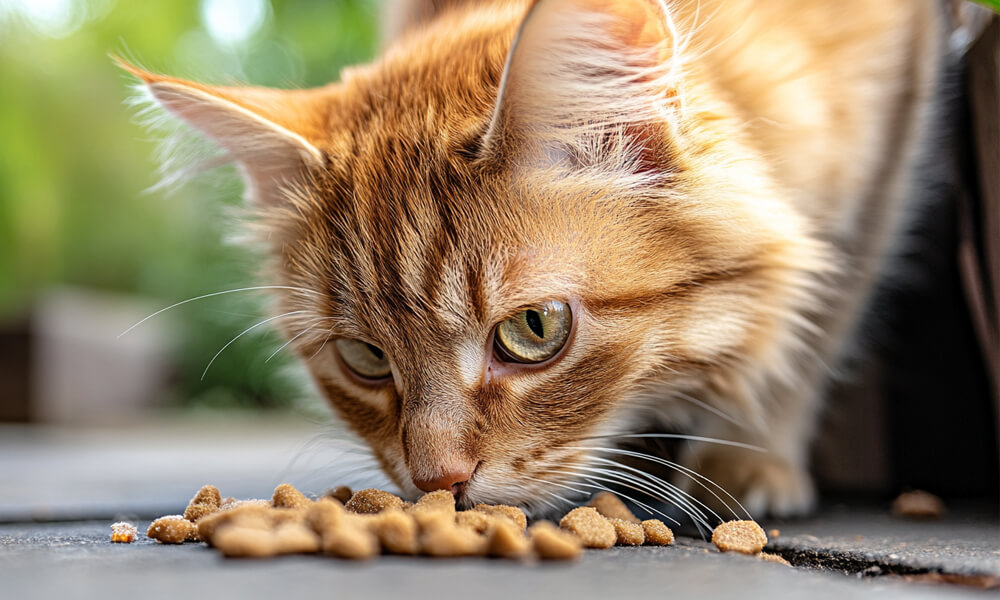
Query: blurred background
{"type": "Point", "coordinates": [86, 250]}
{"type": "Point", "coordinates": [89, 248]}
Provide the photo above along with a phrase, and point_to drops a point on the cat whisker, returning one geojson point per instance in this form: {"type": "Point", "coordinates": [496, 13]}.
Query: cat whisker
{"type": "Point", "coordinates": [676, 495]}
{"type": "Point", "coordinates": [549, 503]}
{"type": "Point", "coordinates": [672, 494]}
{"type": "Point", "coordinates": [712, 409]}
{"type": "Point", "coordinates": [589, 482]}
{"type": "Point", "coordinates": [689, 473]}
{"type": "Point", "coordinates": [311, 326]}
{"type": "Point", "coordinates": [679, 436]}
{"type": "Point", "coordinates": [220, 293]}
{"type": "Point", "coordinates": [244, 332]}
{"type": "Point", "coordinates": [329, 332]}
{"type": "Point", "coordinates": [616, 479]}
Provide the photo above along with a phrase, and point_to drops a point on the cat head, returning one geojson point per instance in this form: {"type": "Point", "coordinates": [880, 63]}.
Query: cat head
{"type": "Point", "coordinates": [498, 236]}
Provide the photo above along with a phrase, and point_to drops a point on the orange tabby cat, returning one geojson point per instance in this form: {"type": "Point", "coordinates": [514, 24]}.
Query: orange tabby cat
{"type": "Point", "coordinates": [532, 226]}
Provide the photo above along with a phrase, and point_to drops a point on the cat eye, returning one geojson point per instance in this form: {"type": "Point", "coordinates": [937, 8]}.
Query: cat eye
{"type": "Point", "coordinates": [534, 334]}
{"type": "Point", "coordinates": [364, 359]}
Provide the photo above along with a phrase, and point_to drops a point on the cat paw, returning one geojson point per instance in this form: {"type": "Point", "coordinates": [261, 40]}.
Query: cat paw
{"type": "Point", "coordinates": [765, 484]}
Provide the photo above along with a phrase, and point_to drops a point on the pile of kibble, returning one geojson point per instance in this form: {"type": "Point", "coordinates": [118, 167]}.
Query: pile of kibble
{"type": "Point", "coordinates": [364, 524]}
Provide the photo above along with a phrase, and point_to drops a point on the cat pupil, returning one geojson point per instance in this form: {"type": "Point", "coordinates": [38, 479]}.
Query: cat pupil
{"type": "Point", "coordinates": [534, 322]}
{"type": "Point", "coordinates": [376, 351]}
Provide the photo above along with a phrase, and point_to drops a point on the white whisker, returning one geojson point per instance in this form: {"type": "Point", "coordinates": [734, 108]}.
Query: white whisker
{"type": "Point", "coordinates": [712, 409]}
{"type": "Point", "coordinates": [680, 436]}
{"type": "Point", "coordinates": [244, 332]}
{"type": "Point", "coordinates": [202, 297]}
{"type": "Point", "coordinates": [677, 496]}
{"type": "Point", "coordinates": [689, 473]}
{"type": "Point", "coordinates": [312, 326]}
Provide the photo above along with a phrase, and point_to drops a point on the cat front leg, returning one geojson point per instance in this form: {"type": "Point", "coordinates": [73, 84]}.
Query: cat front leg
{"type": "Point", "coordinates": [771, 478]}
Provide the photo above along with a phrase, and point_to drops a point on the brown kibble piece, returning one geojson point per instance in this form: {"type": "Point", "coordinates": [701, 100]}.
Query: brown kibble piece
{"type": "Point", "coordinates": [193, 512]}
{"type": "Point", "coordinates": [628, 533]}
{"type": "Point", "coordinates": [440, 499]}
{"type": "Point", "coordinates": [244, 542]}
{"type": "Point", "coordinates": [206, 501]}
{"type": "Point", "coordinates": [431, 517]}
{"type": "Point", "coordinates": [656, 533]}
{"type": "Point", "coordinates": [474, 519]}
{"type": "Point", "coordinates": [451, 540]}
{"type": "Point", "coordinates": [325, 515]}
{"type": "Point", "coordinates": [172, 529]}
{"type": "Point", "coordinates": [773, 533]}
{"type": "Point", "coordinates": [260, 503]}
{"type": "Point", "coordinates": [918, 504]}
{"type": "Point", "coordinates": [396, 531]}
{"type": "Point", "coordinates": [350, 540]}
{"type": "Point", "coordinates": [248, 514]}
{"type": "Point", "coordinates": [552, 543]}
{"type": "Point", "coordinates": [593, 529]}
{"type": "Point", "coordinates": [739, 536]}
{"type": "Point", "coordinates": [295, 538]}
{"type": "Point", "coordinates": [286, 496]}
{"type": "Point", "coordinates": [341, 493]}
{"type": "Point", "coordinates": [280, 516]}
{"type": "Point", "coordinates": [612, 507]}
{"type": "Point", "coordinates": [505, 540]}
{"type": "Point", "coordinates": [775, 558]}
{"type": "Point", "coordinates": [513, 513]}
{"type": "Point", "coordinates": [371, 501]}
{"type": "Point", "coordinates": [208, 495]}
{"type": "Point", "coordinates": [123, 533]}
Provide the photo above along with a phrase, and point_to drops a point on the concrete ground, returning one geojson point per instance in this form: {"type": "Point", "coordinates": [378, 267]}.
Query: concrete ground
{"type": "Point", "coordinates": [61, 488]}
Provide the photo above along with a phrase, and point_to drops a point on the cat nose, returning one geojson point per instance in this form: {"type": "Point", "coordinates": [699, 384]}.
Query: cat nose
{"type": "Point", "coordinates": [454, 478]}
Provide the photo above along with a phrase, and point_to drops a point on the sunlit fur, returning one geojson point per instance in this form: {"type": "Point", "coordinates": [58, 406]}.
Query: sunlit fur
{"type": "Point", "coordinates": [711, 185]}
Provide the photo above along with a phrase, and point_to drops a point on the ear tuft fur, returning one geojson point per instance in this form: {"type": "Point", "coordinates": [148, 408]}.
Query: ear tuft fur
{"type": "Point", "coordinates": [584, 81]}
{"type": "Point", "coordinates": [259, 129]}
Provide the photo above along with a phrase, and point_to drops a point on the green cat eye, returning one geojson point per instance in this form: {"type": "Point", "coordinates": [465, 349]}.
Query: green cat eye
{"type": "Point", "coordinates": [534, 334]}
{"type": "Point", "coordinates": [363, 358]}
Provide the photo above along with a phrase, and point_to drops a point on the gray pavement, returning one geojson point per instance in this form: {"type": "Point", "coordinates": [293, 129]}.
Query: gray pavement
{"type": "Point", "coordinates": [53, 480]}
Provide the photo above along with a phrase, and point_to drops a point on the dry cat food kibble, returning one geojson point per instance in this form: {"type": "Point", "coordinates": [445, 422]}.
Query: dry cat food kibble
{"type": "Point", "coordinates": [372, 501]}
{"type": "Point", "coordinates": [612, 507]}
{"type": "Point", "coordinates": [364, 524]}
{"type": "Point", "coordinates": [342, 493]}
{"type": "Point", "coordinates": [593, 529]}
{"type": "Point", "coordinates": [746, 537]}
{"type": "Point", "coordinates": [656, 533]}
{"type": "Point", "coordinates": [553, 543]}
{"type": "Point", "coordinates": [123, 533]}
{"type": "Point", "coordinates": [628, 533]}
{"type": "Point", "coordinates": [775, 558]}
{"type": "Point", "coordinates": [918, 504]}
{"type": "Point", "coordinates": [173, 529]}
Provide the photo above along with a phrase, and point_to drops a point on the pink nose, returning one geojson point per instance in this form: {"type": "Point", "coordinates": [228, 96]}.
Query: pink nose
{"type": "Point", "coordinates": [454, 479]}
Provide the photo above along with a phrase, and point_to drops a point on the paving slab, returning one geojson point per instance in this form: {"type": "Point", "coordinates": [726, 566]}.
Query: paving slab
{"type": "Point", "coordinates": [61, 488]}
{"type": "Point", "coordinates": [77, 560]}
{"type": "Point", "coordinates": [867, 538]}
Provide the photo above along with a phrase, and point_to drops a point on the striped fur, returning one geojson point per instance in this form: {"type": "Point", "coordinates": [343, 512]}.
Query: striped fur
{"type": "Point", "coordinates": [711, 186]}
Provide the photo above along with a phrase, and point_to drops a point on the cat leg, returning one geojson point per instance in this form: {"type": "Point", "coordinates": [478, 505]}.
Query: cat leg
{"type": "Point", "coordinates": [767, 471]}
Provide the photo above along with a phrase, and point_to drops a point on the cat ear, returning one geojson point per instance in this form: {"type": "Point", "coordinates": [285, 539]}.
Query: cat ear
{"type": "Point", "coordinates": [583, 73]}
{"type": "Point", "coordinates": [264, 131]}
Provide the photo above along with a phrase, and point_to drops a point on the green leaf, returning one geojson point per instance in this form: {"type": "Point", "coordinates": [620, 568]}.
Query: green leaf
{"type": "Point", "coordinates": [994, 4]}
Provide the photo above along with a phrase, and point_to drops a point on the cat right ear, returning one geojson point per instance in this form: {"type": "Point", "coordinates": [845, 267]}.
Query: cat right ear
{"type": "Point", "coordinates": [265, 131]}
{"type": "Point", "coordinates": [583, 73]}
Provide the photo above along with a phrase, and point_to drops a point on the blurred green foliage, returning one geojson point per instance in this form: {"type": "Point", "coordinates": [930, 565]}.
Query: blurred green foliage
{"type": "Point", "coordinates": [74, 166]}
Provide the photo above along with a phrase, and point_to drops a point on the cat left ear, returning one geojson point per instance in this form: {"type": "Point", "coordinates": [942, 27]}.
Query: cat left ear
{"type": "Point", "coordinates": [581, 73]}
{"type": "Point", "coordinates": [264, 131]}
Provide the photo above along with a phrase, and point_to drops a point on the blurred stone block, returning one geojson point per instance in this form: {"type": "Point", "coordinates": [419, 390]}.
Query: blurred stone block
{"type": "Point", "coordinates": [82, 371]}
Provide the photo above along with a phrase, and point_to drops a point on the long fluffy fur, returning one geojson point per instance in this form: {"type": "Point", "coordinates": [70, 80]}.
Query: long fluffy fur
{"type": "Point", "coordinates": [712, 189]}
